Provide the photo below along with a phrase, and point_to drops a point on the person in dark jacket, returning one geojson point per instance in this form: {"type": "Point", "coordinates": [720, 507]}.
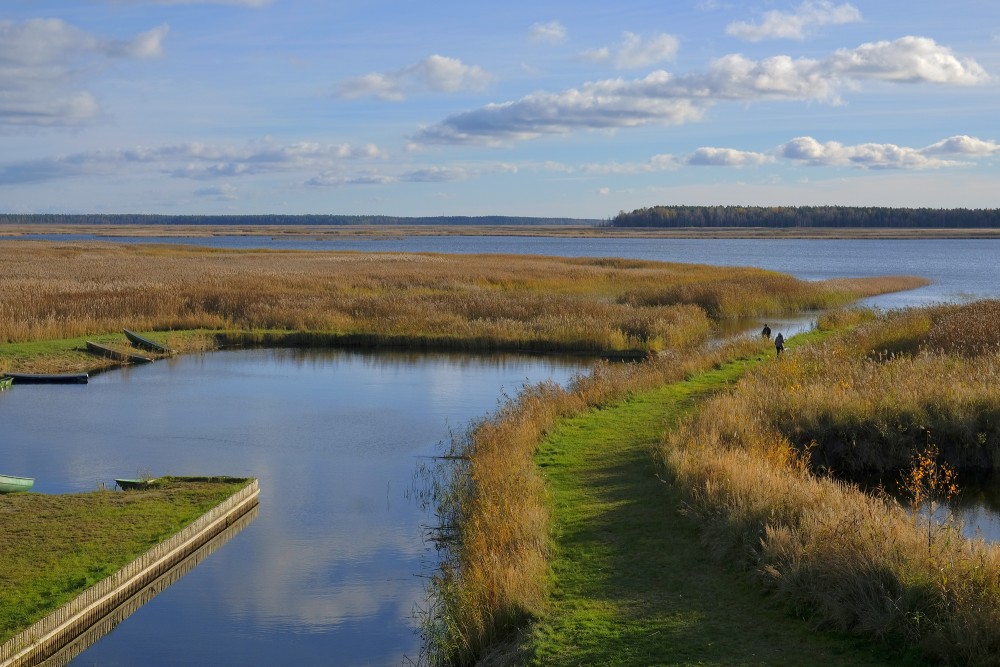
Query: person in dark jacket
{"type": "Point", "coordinates": [779, 344]}
{"type": "Point", "coordinates": [766, 333]}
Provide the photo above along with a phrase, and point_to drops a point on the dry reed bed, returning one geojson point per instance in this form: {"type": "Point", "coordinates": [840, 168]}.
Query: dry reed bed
{"type": "Point", "coordinates": [852, 561]}
{"type": "Point", "coordinates": [65, 290]}
{"type": "Point", "coordinates": [493, 502]}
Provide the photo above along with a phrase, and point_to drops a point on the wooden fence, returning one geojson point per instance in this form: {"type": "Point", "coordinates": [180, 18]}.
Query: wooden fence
{"type": "Point", "coordinates": [145, 575]}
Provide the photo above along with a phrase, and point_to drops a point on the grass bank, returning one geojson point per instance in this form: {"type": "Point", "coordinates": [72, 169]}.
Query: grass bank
{"type": "Point", "coordinates": [60, 291]}
{"type": "Point", "coordinates": [494, 508]}
{"type": "Point", "coordinates": [740, 466]}
{"type": "Point", "coordinates": [630, 581]}
{"type": "Point", "coordinates": [54, 547]}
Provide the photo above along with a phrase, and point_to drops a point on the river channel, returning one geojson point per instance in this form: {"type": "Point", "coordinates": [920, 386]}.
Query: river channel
{"type": "Point", "coordinates": [332, 571]}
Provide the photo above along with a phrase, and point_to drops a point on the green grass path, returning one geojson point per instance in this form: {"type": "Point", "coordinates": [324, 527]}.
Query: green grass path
{"type": "Point", "coordinates": [631, 583]}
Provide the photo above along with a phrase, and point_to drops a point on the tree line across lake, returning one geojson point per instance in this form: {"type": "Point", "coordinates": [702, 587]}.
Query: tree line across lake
{"type": "Point", "coordinates": [806, 216]}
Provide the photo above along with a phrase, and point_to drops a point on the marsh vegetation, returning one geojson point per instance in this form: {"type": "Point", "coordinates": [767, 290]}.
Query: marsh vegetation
{"type": "Point", "coordinates": [497, 520]}
{"type": "Point", "coordinates": [60, 291]}
{"type": "Point", "coordinates": [760, 468]}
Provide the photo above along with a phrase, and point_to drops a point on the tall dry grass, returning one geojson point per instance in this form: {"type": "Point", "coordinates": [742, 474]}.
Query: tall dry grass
{"type": "Point", "coordinates": [493, 505]}
{"type": "Point", "coordinates": [849, 560]}
{"type": "Point", "coordinates": [65, 290]}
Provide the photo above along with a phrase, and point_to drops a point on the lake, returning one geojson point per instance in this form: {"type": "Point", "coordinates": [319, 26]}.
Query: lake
{"type": "Point", "coordinates": [330, 571]}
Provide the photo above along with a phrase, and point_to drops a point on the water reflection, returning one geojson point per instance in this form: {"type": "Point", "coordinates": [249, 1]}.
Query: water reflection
{"type": "Point", "coordinates": [105, 625]}
{"type": "Point", "coordinates": [329, 573]}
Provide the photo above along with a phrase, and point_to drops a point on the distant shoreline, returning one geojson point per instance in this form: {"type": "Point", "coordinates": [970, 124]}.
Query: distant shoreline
{"type": "Point", "coordinates": [570, 231]}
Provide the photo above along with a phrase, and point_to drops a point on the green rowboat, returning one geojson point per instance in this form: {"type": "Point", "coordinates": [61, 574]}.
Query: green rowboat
{"type": "Point", "coordinates": [145, 343]}
{"type": "Point", "coordinates": [133, 484]}
{"type": "Point", "coordinates": [6, 382]}
{"type": "Point", "coordinates": [10, 484]}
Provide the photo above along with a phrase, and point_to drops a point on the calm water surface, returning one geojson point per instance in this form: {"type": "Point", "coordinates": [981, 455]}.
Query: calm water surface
{"type": "Point", "coordinates": [329, 573]}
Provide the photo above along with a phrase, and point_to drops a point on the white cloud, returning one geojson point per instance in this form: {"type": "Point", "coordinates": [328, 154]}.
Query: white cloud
{"type": "Point", "coordinates": [662, 162]}
{"type": "Point", "coordinates": [147, 44]}
{"type": "Point", "coordinates": [602, 105]}
{"type": "Point", "coordinates": [436, 175]}
{"type": "Point", "coordinates": [334, 179]}
{"type": "Point", "coordinates": [726, 157]}
{"type": "Point", "coordinates": [796, 24]}
{"type": "Point", "coordinates": [191, 160]}
{"type": "Point", "coordinates": [43, 61]}
{"type": "Point", "coordinates": [635, 52]}
{"type": "Point", "coordinates": [551, 32]}
{"type": "Point", "coordinates": [664, 99]}
{"type": "Point", "coordinates": [424, 174]}
{"type": "Point", "coordinates": [867, 156]}
{"type": "Point", "coordinates": [435, 73]}
{"type": "Point", "coordinates": [913, 59]}
{"type": "Point", "coordinates": [963, 145]}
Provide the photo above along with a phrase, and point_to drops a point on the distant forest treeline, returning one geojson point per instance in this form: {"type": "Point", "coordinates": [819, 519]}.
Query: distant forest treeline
{"type": "Point", "coordinates": [142, 219]}
{"type": "Point", "coordinates": [806, 216]}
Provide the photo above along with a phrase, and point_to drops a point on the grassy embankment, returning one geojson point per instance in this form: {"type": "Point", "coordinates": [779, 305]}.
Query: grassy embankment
{"type": "Point", "coordinates": [844, 559]}
{"type": "Point", "coordinates": [630, 581]}
{"type": "Point", "coordinates": [63, 292]}
{"type": "Point", "coordinates": [53, 547]}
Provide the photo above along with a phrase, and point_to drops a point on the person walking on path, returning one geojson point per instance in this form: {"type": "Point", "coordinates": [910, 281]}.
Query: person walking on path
{"type": "Point", "coordinates": [766, 333]}
{"type": "Point", "coordinates": [779, 344]}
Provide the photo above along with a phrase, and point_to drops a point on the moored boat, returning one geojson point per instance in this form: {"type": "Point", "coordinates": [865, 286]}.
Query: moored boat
{"type": "Point", "coordinates": [6, 382]}
{"type": "Point", "coordinates": [112, 353]}
{"type": "Point", "coordinates": [49, 378]}
{"type": "Point", "coordinates": [132, 484]}
{"type": "Point", "coordinates": [145, 343]}
{"type": "Point", "coordinates": [12, 484]}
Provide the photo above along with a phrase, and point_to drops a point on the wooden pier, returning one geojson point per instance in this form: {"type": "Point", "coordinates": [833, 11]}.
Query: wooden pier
{"type": "Point", "coordinates": [66, 631]}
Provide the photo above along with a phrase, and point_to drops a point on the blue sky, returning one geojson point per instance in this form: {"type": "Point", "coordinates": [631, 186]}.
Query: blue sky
{"type": "Point", "coordinates": [576, 109]}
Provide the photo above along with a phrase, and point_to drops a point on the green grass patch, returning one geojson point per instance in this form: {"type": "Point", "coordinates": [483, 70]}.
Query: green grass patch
{"type": "Point", "coordinates": [630, 582]}
{"type": "Point", "coordinates": [52, 547]}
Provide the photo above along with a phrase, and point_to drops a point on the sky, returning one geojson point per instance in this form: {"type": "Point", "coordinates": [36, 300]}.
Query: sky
{"type": "Point", "coordinates": [545, 108]}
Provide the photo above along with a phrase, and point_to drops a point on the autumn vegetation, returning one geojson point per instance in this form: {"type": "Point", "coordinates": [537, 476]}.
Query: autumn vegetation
{"type": "Point", "coordinates": [912, 396]}
{"type": "Point", "coordinates": [767, 469]}
{"type": "Point", "coordinates": [63, 291]}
